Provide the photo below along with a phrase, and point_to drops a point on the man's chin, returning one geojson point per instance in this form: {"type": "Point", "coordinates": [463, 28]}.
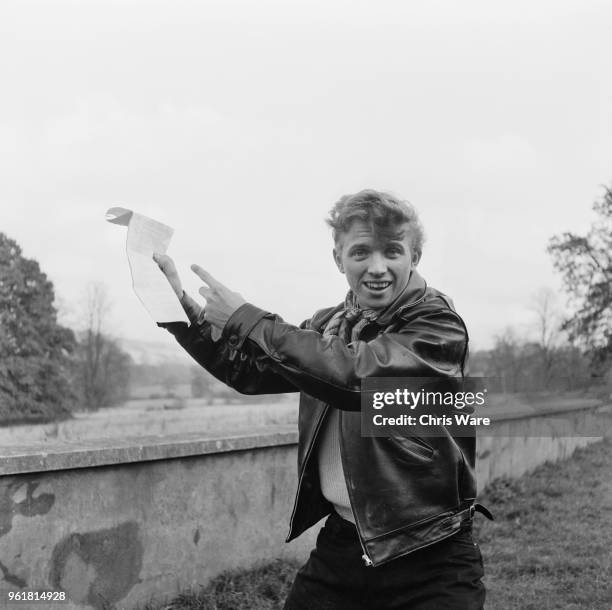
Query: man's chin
{"type": "Point", "coordinates": [373, 303]}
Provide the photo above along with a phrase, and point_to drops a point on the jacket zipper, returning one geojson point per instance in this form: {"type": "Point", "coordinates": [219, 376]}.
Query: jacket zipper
{"type": "Point", "coordinates": [306, 458]}
{"type": "Point", "coordinates": [366, 558]}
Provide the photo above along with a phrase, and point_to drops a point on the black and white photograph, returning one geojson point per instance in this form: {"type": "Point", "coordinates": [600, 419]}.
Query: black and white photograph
{"type": "Point", "coordinates": [305, 305]}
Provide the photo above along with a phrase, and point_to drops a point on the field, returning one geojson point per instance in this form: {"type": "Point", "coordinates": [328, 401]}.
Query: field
{"type": "Point", "coordinates": [158, 417]}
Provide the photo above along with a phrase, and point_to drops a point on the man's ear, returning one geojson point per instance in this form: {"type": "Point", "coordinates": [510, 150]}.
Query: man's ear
{"type": "Point", "coordinates": [338, 260]}
{"type": "Point", "coordinates": [416, 257]}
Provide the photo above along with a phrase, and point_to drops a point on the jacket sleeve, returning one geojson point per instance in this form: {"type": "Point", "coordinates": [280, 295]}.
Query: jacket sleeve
{"type": "Point", "coordinates": [430, 341]}
{"type": "Point", "coordinates": [246, 373]}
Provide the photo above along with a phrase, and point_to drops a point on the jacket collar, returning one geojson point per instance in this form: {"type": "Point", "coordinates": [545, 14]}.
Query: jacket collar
{"type": "Point", "coordinates": [413, 293]}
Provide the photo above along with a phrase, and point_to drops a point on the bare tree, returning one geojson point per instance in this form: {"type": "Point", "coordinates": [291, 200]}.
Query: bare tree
{"type": "Point", "coordinates": [97, 307]}
{"type": "Point", "coordinates": [508, 361]}
{"type": "Point", "coordinates": [548, 328]}
{"type": "Point", "coordinates": [102, 368]}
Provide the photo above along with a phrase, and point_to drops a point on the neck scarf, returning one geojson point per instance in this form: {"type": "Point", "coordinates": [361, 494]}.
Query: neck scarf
{"type": "Point", "coordinates": [350, 321]}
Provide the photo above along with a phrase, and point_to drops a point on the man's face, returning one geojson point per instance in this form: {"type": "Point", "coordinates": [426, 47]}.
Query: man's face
{"type": "Point", "coordinates": [377, 266]}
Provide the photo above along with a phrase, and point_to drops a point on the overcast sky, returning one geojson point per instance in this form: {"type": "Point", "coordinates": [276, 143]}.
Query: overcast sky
{"type": "Point", "coordinates": [241, 123]}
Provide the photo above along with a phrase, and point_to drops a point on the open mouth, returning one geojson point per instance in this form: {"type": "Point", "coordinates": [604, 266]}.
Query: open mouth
{"type": "Point", "coordinates": [377, 286]}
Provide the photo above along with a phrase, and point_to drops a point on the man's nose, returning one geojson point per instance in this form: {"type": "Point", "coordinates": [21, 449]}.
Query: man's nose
{"type": "Point", "coordinates": [378, 264]}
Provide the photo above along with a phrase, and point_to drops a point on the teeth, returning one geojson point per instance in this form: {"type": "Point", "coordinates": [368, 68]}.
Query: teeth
{"type": "Point", "coordinates": [377, 285]}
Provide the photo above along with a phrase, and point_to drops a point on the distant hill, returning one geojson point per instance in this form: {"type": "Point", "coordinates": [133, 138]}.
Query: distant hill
{"type": "Point", "coordinates": [155, 352]}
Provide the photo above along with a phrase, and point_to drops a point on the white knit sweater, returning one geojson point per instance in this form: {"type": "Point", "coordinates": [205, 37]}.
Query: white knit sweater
{"type": "Point", "coordinates": [331, 474]}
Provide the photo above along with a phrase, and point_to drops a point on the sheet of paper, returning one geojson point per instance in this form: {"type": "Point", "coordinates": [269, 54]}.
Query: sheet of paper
{"type": "Point", "coordinates": [145, 236]}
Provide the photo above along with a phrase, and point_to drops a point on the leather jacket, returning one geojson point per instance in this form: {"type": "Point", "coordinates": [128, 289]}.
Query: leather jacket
{"type": "Point", "coordinates": [406, 492]}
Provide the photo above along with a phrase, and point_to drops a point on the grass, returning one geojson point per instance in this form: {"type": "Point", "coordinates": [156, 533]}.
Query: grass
{"type": "Point", "coordinates": [263, 588]}
{"type": "Point", "coordinates": [550, 546]}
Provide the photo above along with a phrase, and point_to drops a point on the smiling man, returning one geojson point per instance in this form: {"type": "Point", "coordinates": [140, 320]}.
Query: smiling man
{"type": "Point", "coordinates": [398, 534]}
{"type": "Point", "coordinates": [377, 259]}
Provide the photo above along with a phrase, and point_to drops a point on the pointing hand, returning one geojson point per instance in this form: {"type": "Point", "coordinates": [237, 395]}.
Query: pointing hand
{"type": "Point", "coordinates": [221, 302]}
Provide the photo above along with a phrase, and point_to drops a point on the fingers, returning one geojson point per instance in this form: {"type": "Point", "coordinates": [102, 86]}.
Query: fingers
{"type": "Point", "coordinates": [168, 268]}
{"type": "Point", "coordinates": [165, 263]}
{"type": "Point", "coordinates": [206, 277]}
{"type": "Point", "coordinates": [206, 292]}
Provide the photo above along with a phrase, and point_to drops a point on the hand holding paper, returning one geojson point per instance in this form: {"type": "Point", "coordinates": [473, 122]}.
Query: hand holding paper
{"type": "Point", "coordinates": [221, 302]}
{"type": "Point", "coordinates": [147, 242]}
{"type": "Point", "coordinates": [168, 268]}
{"type": "Point", "coordinates": [144, 237]}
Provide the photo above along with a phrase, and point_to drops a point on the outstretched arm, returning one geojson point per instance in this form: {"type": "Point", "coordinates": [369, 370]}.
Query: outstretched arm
{"type": "Point", "coordinates": [245, 373]}
{"type": "Point", "coordinates": [430, 341]}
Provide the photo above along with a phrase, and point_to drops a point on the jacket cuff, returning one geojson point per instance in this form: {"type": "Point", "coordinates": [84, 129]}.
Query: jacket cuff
{"type": "Point", "coordinates": [175, 328]}
{"type": "Point", "coordinates": [241, 323]}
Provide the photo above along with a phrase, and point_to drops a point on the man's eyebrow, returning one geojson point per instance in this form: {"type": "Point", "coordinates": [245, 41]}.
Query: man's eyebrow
{"type": "Point", "coordinates": [359, 244]}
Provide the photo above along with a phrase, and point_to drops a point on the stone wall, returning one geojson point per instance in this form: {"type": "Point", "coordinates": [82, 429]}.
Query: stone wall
{"type": "Point", "coordinates": [121, 533]}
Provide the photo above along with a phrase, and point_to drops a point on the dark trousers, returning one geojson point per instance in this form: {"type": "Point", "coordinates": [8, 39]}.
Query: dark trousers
{"type": "Point", "coordinates": [444, 575]}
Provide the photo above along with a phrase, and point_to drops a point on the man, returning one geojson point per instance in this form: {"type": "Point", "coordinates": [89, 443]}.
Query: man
{"type": "Point", "coordinates": [401, 508]}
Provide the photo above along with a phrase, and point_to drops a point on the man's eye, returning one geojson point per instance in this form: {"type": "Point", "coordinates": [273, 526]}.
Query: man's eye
{"type": "Point", "coordinates": [394, 252]}
{"type": "Point", "coordinates": [359, 252]}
